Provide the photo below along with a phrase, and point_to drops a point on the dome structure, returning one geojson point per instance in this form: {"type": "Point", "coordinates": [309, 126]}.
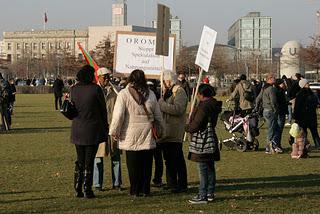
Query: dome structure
{"type": "Point", "coordinates": [290, 60]}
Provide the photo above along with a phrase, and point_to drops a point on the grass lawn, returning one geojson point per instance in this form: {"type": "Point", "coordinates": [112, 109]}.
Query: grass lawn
{"type": "Point", "coordinates": [37, 160]}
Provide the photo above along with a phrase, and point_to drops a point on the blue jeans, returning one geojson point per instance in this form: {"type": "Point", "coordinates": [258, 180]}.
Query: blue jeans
{"type": "Point", "coordinates": [115, 169]}
{"type": "Point", "coordinates": [207, 175]}
{"type": "Point", "coordinates": [273, 127]}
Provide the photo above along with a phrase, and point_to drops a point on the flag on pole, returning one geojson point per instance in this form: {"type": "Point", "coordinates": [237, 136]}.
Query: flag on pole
{"type": "Point", "coordinates": [89, 60]}
{"type": "Point", "coordinates": [45, 18]}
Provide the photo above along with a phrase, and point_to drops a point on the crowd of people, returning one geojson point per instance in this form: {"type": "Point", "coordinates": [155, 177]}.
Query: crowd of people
{"type": "Point", "coordinates": [112, 119]}
{"type": "Point", "coordinates": [149, 125]}
{"type": "Point", "coordinates": [276, 100]}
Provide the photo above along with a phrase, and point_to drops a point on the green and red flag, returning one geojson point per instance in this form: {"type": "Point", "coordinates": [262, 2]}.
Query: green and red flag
{"type": "Point", "coordinates": [89, 60]}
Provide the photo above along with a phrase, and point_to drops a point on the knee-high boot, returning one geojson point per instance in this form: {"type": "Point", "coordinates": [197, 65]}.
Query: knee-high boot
{"type": "Point", "coordinates": [78, 179]}
{"type": "Point", "coordinates": [88, 180]}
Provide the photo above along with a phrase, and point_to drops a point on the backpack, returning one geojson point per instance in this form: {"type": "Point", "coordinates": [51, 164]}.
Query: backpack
{"type": "Point", "coordinates": [248, 94]}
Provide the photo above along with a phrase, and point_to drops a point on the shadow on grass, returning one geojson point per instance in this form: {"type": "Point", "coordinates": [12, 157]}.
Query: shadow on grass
{"type": "Point", "coordinates": [38, 130]}
{"type": "Point", "coordinates": [27, 199]}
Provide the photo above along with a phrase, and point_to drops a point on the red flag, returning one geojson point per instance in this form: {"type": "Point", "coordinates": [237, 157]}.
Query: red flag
{"type": "Point", "coordinates": [45, 18]}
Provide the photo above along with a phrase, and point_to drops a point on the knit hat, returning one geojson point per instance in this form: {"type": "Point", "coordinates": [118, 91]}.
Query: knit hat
{"type": "Point", "coordinates": [103, 71]}
{"type": "Point", "coordinates": [303, 83]}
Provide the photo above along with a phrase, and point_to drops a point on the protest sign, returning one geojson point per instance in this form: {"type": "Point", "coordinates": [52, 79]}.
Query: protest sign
{"type": "Point", "coordinates": [206, 46]}
{"type": "Point", "coordinates": [136, 50]}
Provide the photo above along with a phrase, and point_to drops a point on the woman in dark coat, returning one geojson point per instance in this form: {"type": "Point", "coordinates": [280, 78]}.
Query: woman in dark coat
{"type": "Point", "coordinates": [305, 110]}
{"type": "Point", "coordinates": [88, 129]}
{"type": "Point", "coordinates": [205, 152]}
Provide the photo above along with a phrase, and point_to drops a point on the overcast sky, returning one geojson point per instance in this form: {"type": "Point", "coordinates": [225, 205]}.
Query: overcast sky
{"type": "Point", "coordinates": [292, 19]}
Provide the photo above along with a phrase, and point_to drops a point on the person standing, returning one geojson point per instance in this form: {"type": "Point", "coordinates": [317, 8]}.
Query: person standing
{"type": "Point", "coordinates": [203, 147]}
{"type": "Point", "coordinates": [305, 111]}
{"type": "Point", "coordinates": [173, 107]}
{"type": "Point", "coordinates": [109, 147]}
{"type": "Point", "coordinates": [268, 97]}
{"type": "Point", "coordinates": [136, 109]}
{"type": "Point", "coordinates": [88, 129]}
{"type": "Point", "coordinates": [57, 90]}
{"type": "Point", "coordinates": [245, 93]}
{"type": "Point", "coordinates": [4, 92]}
{"type": "Point", "coordinates": [283, 106]}
{"type": "Point", "coordinates": [184, 84]}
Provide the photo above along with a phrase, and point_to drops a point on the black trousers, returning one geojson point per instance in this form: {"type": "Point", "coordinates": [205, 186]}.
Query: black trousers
{"type": "Point", "coordinates": [56, 100]}
{"type": "Point", "coordinates": [86, 155]}
{"type": "Point", "coordinates": [314, 132]}
{"type": "Point", "coordinates": [176, 168]}
{"type": "Point", "coordinates": [158, 161]}
{"type": "Point", "coordinates": [139, 164]}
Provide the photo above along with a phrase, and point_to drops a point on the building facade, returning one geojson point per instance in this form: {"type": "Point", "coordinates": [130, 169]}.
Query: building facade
{"type": "Point", "coordinates": [119, 13]}
{"type": "Point", "coordinates": [175, 28]}
{"type": "Point", "coordinates": [38, 44]}
{"type": "Point", "coordinates": [252, 35]}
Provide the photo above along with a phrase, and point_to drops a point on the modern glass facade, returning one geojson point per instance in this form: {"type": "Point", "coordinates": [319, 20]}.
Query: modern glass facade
{"type": "Point", "coordinates": [119, 13]}
{"type": "Point", "coordinates": [252, 35]}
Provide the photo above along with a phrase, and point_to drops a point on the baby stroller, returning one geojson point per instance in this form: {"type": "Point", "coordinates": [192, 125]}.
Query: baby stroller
{"type": "Point", "coordinates": [244, 130]}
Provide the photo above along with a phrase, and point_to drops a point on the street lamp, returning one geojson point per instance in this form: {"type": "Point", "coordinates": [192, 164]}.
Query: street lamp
{"type": "Point", "coordinates": [278, 55]}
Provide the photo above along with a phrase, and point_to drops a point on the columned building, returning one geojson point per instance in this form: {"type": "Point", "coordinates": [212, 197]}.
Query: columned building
{"type": "Point", "coordinates": [252, 35]}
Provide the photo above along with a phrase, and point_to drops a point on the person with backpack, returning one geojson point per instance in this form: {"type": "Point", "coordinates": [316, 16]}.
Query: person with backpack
{"type": "Point", "coordinates": [203, 147]}
{"type": "Point", "coordinates": [244, 90]}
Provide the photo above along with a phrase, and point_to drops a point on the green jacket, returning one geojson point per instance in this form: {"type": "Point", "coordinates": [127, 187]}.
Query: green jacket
{"type": "Point", "coordinates": [174, 115]}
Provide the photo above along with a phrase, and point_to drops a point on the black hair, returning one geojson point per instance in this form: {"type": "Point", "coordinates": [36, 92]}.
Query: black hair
{"type": "Point", "coordinates": [138, 80]}
{"type": "Point", "coordinates": [86, 74]}
{"type": "Point", "coordinates": [243, 77]}
{"type": "Point", "coordinates": [206, 90]}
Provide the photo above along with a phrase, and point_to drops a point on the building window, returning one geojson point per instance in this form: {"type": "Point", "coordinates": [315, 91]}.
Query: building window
{"type": "Point", "coordinates": [256, 23]}
{"type": "Point", "coordinates": [26, 46]}
{"type": "Point", "coordinates": [43, 45]}
{"type": "Point", "coordinates": [247, 23]}
{"type": "Point", "coordinates": [35, 55]}
{"type": "Point", "coordinates": [68, 45]}
{"type": "Point", "coordinates": [9, 57]}
{"type": "Point", "coordinates": [265, 44]}
{"type": "Point", "coordinates": [265, 33]}
{"type": "Point", "coordinates": [247, 44]}
{"type": "Point", "coordinates": [43, 56]}
{"type": "Point", "coordinates": [18, 46]}
{"type": "Point", "coordinates": [9, 46]}
{"type": "Point", "coordinates": [35, 46]}
{"type": "Point", "coordinates": [246, 34]}
{"type": "Point", "coordinates": [265, 23]}
{"type": "Point", "coordinates": [18, 56]}
{"type": "Point", "coordinates": [256, 44]}
{"type": "Point", "coordinates": [256, 34]}
{"type": "Point", "coordinates": [51, 46]}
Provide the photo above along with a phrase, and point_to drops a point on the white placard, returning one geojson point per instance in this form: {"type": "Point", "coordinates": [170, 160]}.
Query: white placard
{"type": "Point", "coordinates": [206, 46]}
{"type": "Point", "coordinates": [136, 50]}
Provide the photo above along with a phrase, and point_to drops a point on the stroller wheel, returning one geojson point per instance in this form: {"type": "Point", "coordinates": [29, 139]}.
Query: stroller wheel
{"type": "Point", "coordinates": [256, 145]}
{"type": "Point", "coordinates": [241, 145]}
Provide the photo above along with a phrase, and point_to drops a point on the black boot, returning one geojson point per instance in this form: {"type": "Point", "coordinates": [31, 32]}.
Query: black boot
{"type": "Point", "coordinates": [88, 180]}
{"type": "Point", "coordinates": [78, 179]}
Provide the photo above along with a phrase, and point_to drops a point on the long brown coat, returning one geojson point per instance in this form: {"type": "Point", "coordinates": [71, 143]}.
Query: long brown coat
{"type": "Point", "coordinates": [90, 127]}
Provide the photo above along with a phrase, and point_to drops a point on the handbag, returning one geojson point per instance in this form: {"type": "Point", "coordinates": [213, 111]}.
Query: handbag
{"type": "Point", "coordinates": [154, 128]}
{"type": "Point", "coordinates": [68, 109]}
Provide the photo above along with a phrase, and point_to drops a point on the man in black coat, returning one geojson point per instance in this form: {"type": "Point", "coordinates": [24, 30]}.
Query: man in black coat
{"type": "Point", "coordinates": [57, 90]}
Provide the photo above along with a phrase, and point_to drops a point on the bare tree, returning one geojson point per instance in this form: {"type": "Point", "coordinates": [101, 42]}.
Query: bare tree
{"type": "Point", "coordinates": [310, 55]}
{"type": "Point", "coordinates": [104, 53]}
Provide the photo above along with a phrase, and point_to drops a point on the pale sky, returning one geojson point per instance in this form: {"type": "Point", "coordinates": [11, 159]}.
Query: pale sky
{"type": "Point", "coordinates": [291, 19]}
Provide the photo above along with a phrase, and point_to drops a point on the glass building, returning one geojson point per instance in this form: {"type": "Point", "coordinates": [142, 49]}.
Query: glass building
{"type": "Point", "coordinates": [175, 28]}
{"type": "Point", "coordinates": [119, 13]}
{"type": "Point", "coordinates": [251, 35]}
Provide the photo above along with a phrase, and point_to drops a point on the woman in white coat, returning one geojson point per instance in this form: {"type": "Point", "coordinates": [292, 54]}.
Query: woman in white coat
{"type": "Point", "coordinates": [135, 110]}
